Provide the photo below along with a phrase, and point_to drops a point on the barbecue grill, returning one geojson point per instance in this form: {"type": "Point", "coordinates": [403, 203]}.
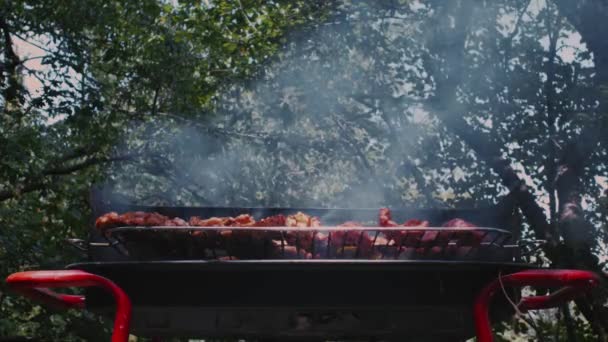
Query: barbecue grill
{"type": "Point", "coordinates": [258, 283]}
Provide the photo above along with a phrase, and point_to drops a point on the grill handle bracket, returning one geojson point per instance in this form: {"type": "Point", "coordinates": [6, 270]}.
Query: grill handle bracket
{"type": "Point", "coordinates": [78, 244]}
{"type": "Point", "coordinates": [571, 284]}
{"type": "Point", "coordinates": [37, 285]}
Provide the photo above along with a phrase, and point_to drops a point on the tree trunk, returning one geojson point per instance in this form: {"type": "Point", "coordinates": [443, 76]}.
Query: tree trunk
{"type": "Point", "coordinates": [574, 227]}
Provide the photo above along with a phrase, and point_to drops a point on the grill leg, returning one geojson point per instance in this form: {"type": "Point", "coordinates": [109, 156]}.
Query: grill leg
{"type": "Point", "coordinates": [571, 284]}
{"type": "Point", "coordinates": [37, 285]}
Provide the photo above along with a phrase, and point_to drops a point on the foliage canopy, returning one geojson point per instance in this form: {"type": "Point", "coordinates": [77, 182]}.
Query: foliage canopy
{"type": "Point", "coordinates": [303, 103]}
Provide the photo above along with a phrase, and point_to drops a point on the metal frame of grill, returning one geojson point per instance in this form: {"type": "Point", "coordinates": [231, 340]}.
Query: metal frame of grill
{"type": "Point", "coordinates": [501, 217]}
{"type": "Point", "coordinates": [166, 272]}
{"type": "Point", "coordinates": [392, 296]}
{"type": "Point", "coordinates": [395, 291]}
{"type": "Point", "coordinates": [319, 243]}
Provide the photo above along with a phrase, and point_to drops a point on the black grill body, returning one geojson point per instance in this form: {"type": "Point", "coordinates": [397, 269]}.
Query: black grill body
{"type": "Point", "coordinates": [275, 300]}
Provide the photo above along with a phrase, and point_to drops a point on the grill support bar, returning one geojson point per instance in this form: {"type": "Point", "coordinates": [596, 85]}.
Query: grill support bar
{"type": "Point", "coordinates": [572, 284]}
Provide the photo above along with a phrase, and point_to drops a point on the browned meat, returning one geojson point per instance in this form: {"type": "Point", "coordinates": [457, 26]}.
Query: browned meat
{"type": "Point", "coordinates": [196, 221]}
{"type": "Point", "coordinates": [304, 243]}
{"type": "Point", "coordinates": [302, 220]}
{"type": "Point", "coordinates": [176, 222]}
{"type": "Point", "coordinates": [137, 218]}
{"type": "Point", "coordinates": [405, 238]}
{"type": "Point", "coordinates": [458, 223]}
{"type": "Point", "coordinates": [415, 223]}
{"type": "Point", "coordinates": [154, 219]}
{"type": "Point", "coordinates": [385, 218]}
{"type": "Point", "coordinates": [108, 220]}
{"type": "Point", "coordinates": [349, 241]}
{"type": "Point", "coordinates": [466, 237]}
{"type": "Point", "coordinates": [272, 221]}
{"type": "Point", "coordinates": [303, 239]}
{"type": "Point", "coordinates": [244, 220]}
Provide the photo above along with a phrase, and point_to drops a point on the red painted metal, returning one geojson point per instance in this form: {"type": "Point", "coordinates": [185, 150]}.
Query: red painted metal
{"type": "Point", "coordinates": [572, 283]}
{"type": "Point", "coordinates": [37, 284]}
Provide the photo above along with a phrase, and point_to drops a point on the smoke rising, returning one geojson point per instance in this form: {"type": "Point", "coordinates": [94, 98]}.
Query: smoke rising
{"type": "Point", "coordinates": [338, 119]}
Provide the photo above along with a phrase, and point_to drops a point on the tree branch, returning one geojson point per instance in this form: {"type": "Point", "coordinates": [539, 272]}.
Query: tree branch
{"type": "Point", "coordinates": [447, 103]}
{"type": "Point", "coordinates": [589, 18]}
{"type": "Point", "coordinates": [11, 61]}
{"type": "Point", "coordinates": [449, 110]}
{"type": "Point", "coordinates": [38, 182]}
{"type": "Point", "coordinates": [350, 144]}
{"type": "Point", "coordinates": [85, 164]}
{"type": "Point", "coordinates": [491, 154]}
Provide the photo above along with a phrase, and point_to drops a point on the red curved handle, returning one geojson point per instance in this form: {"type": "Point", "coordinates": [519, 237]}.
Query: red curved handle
{"type": "Point", "coordinates": [36, 285]}
{"type": "Point", "coordinates": [573, 284]}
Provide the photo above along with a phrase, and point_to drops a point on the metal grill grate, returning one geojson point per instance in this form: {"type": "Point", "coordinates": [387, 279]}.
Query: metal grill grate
{"type": "Point", "coordinates": [329, 243]}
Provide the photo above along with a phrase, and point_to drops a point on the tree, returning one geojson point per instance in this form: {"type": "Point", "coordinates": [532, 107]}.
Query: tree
{"type": "Point", "coordinates": [516, 104]}
{"type": "Point", "coordinates": [100, 73]}
{"type": "Point", "coordinates": [263, 103]}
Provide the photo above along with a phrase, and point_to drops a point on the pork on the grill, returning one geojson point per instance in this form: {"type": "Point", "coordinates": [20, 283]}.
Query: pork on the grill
{"type": "Point", "coordinates": [108, 220]}
{"type": "Point", "coordinates": [466, 237]}
{"type": "Point", "coordinates": [458, 223]}
{"type": "Point", "coordinates": [176, 222]}
{"type": "Point", "coordinates": [302, 240]}
{"type": "Point", "coordinates": [407, 238]}
{"type": "Point", "coordinates": [306, 243]}
{"type": "Point", "coordinates": [196, 221]}
{"type": "Point", "coordinates": [350, 243]}
{"type": "Point", "coordinates": [272, 221]}
{"type": "Point", "coordinates": [224, 239]}
{"type": "Point", "coordinates": [136, 218]}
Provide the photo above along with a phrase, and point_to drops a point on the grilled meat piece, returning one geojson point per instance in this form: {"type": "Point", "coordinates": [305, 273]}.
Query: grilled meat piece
{"type": "Point", "coordinates": [415, 223]}
{"type": "Point", "coordinates": [409, 238]}
{"type": "Point", "coordinates": [108, 220]}
{"type": "Point", "coordinates": [458, 223]}
{"type": "Point", "coordinates": [351, 243]}
{"type": "Point", "coordinates": [302, 220]}
{"type": "Point", "coordinates": [302, 240]}
{"type": "Point", "coordinates": [289, 252]}
{"type": "Point", "coordinates": [137, 218]}
{"type": "Point", "coordinates": [403, 237]}
{"type": "Point", "coordinates": [176, 222]}
{"type": "Point", "coordinates": [466, 237]}
{"type": "Point", "coordinates": [235, 241]}
{"type": "Point", "coordinates": [155, 219]}
{"type": "Point", "coordinates": [196, 221]}
{"type": "Point", "coordinates": [244, 220]}
{"type": "Point", "coordinates": [272, 221]}
{"type": "Point", "coordinates": [384, 219]}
